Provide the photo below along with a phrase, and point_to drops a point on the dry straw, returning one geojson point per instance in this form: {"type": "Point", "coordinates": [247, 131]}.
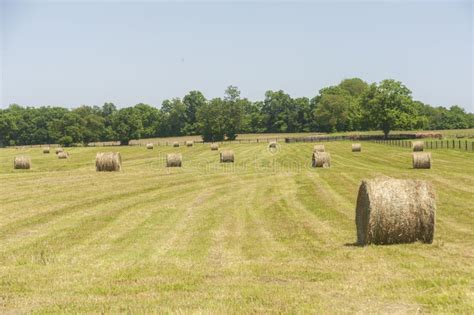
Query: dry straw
{"type": "Point", "coordinates": [392, 211]}
{"type": "Point", "coordinates": [108, 162]}
{"type": "Point", "coordinates": [22, 163]}
{"type": "Point", "coordinates": [189, 143]}
{"type": "Point", "coordinates": [421, 159]}
{"type": "Point", "coordinates": [149, 146]}
{"type": "Point", "coordinates": [321, 159]}
{"type": "Point", "coordinates": [176, 144]}
{"type": "Point", "coordinates": [46, 150]}
{"type": "Point", "coordinates": [272, 144]}
{"type": "Point", "coordinates": [417, 146]}
{"type": "Point", "coordinates": [214, 146]}
{"type": "Point", "coordinates": [59, 150]}
{"type": "Point", "coordinates": [356, 147]}
{"type": "Point", "coordinates": [319, 148]}
{"type": "Point", "coordinates": [63, 155]}
{"type": "Point", "coordinates": [174, 160]}
{"type": "Point", "coordinates": [227, 156]}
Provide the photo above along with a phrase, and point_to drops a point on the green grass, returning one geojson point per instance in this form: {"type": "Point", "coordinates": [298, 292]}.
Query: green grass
{"type": "Point", "coordinates": [267, 234]}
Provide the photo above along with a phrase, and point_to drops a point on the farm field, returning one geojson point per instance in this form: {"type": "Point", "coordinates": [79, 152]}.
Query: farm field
{"type": "Point", "coordinates": [249, 136]}
{"type": "Point", "coordinates": [267, 234]}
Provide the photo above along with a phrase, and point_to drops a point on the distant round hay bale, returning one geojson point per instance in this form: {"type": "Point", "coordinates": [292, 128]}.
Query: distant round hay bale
{"type": "Point", "coordinates": [421, 159]}
{"type": "Point", "coordinates": [227, 156]}
{"type": "Point", "coordinates": [59, 150]}
{"type": "Point", "coordinates": [417, 146]}
{"type": "Point", "coordinates": [108, 162]}
{"type": "Point", "coordinates": [189, 143]}
{"type": "Point", "coordinates": [149, 146]}
{"type": "Point", "coordinates": [174, 160]}
{"type": "Point", "coordinates": [63, 155]}
{"type": "Point", "coordinates": [272, 144]}
{"type": "Point", "coordinates": [392, 211]}
{"type": "Point", "coordinates": [214, 146]}
{"type": "Point", "coordinates": [319, 148]}
{"type": "Point", "coordinates": [176, 144]}
{"type": "Point", "coordinates": [356, 147]}
{"type": "Point", "coordinates": [321, 159]}
{"type": "Point", "coordinates": [46, 150]}
{"type": "Point", "coordinates": [22, 163]}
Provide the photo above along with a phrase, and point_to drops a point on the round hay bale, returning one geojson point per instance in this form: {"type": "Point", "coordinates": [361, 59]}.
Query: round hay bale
{"type": "Point", "coordinates": [417, 146]}
{"type": "Point", "coordinates": [59, 150]}
{"type": "Point", "coordinates": [22, 163]}
{"type": "Point", "coordinates": [63, 155]}
{"type": "Point", "coordinates": [421, 159]}
{"type": "Point", "coordinates": [46, 150]}
{"type": "Point", "coordinates": [227, 156]}
{"type": "Point", "coordinates": [393, 211]}
{"type": "Point", "coordinates": [356, 147]}
{"type": "Point", "coordinates": [272, 144]}
{"type": "Point", "coordinates": [214, 146]}
{"type": "Point", "coordinates": [149, 146]}
{"type": "Point", "coordinates": [174, 160]}
{"type": "Point", "coordinates": [108, 162]}
{"type": "Point", "coordinates": [319, 148]}
{"type": "Point", "coordinates": [175, 144]}
{"type": "Point", "coordinates": [321, 159]}
{"type": "Point", "coordinates": [189, 143]}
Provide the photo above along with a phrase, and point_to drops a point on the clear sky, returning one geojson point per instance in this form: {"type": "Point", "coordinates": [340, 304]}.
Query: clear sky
{"type": "Point", "coordinates": [71, 53]}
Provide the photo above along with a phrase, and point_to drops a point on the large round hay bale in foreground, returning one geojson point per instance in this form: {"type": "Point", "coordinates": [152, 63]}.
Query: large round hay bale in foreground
{"type": "Point", "coordinates": [356, 147]}
{"type": "Point", "coordinates": [421, 159]}
{"type": "Point", "coordinates": [227, 156]}
{"type": "Point", "coordinates": [174, 160]}
{"type": "Point", "coordinates": [417, 146]}
{"type": "Point", "coordinates": [63, 155]}
{"type": "Point", "coordinates": [108, 162]}
{"type": "Point", "coordinates": [321, 159]}
{"type": "Point", "coordinates": [149, 146]}
{"type": "Point", "coordinates": [214, 146]}
{"type": "Point", "coordinates": [46, 150]}
{"type": "Point", "coordinates": [189, 143]}
{"type": "Point", "coordinates": [393, 211]}
{"type": "Point", "coordinates": [59, 150]}
{"type": "Point", "coordinates": [319, 148]}
{"type": "Point", "coordinates": [22, 163]}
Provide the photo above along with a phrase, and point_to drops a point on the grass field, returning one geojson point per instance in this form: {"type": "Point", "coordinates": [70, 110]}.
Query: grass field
{"type": "Point", "coordinates": [267, 234]}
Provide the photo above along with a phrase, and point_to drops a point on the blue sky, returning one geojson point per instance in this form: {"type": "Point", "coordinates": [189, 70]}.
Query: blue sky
{"type": "Point", "coordinates": [71, 53]}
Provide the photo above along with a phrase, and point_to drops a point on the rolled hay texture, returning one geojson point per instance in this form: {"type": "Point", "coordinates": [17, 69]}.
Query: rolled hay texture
{"type": "Point", "coordinates": [421, 159]}
{"type": "Point", "coordinates": [22, 163]}
{"type": "Point", "coordinates": [393, 211]}
{"type": "Point", "coordinates": [319, 148]}
{"type": "Point", "coordinates": [46, 150]}
{"type": "Point", "coordinates": [63, 155]}
{"type": "Point", "coordinates": [272, 144]}
{"type": "Point", "coordinates": [59, 150]}
{"type": "Point", "coordinates": [214, 146]}
{"type": "Point", "coordinates": [176, 144]}
{"type": "Point", "coordinates": [227, 156]}
{"type": "Point", "coordinates": [108, 162]}
{"type": "Point", "coordinates": [356, 147]}
{"type": "Point", "coordinates": [417, 146]}
{"type": "Point", "coordinates": [174, 160]}
{"type": "Point", "coordinates": [149, 146]}
{"type": "Point", "coordinates": [189, 143]}
{"type": "Point", "coordinates": [321, 159]}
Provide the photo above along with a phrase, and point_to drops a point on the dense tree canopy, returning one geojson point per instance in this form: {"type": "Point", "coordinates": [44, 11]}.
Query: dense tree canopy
{"type": "Point", "coordinates": [351, 105]}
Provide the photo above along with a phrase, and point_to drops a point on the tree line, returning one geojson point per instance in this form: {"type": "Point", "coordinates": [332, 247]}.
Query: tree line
{"type": "Point", "coordinates": [352, 105]}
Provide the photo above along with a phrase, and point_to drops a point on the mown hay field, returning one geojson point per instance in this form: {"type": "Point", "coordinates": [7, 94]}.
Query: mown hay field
{"type": "Point", "coordinates": [264, 234]}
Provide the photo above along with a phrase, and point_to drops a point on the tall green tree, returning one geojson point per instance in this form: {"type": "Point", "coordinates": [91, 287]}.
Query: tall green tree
{"type": "Point", "coordinates": [387, 106]}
